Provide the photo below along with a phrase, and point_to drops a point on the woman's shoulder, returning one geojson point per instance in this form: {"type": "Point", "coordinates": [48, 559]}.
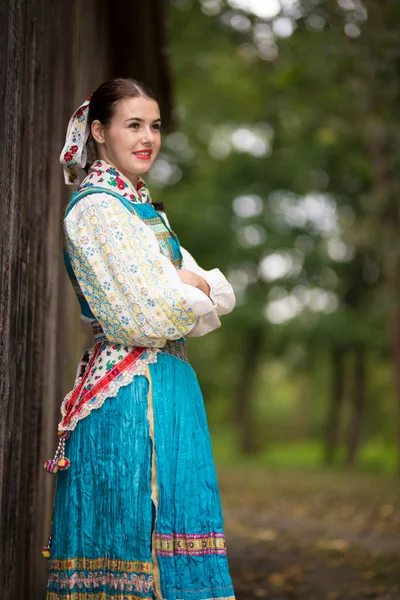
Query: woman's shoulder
{"type": "Point", "coordinates": [99, 205]}
{"type": "Point", "coordinates": [82, 199]}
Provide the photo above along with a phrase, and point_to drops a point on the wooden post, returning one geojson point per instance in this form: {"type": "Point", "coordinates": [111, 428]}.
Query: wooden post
{"type": "Point", "coordinates": [52, 54]}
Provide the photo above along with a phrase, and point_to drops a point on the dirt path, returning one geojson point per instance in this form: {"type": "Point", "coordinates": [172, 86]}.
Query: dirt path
{"type": "Point", "coordinates": [312, 536]}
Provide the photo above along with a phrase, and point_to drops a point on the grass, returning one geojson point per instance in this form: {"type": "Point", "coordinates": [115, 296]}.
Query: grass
{"type": "Point", "coordinates": [373, 456]}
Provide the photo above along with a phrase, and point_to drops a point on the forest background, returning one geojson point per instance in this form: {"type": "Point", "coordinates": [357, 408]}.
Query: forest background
{"type": "Point", "coordinates": [283, 171]}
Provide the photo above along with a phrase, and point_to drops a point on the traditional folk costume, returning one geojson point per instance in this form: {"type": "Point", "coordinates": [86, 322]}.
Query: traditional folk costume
{"type": "Point", "coordinates": [137, 511]}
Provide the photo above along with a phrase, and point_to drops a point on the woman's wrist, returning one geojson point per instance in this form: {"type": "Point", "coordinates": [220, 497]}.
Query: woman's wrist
{"type": "Point", "coordinates": [203, 286]}
{"type": "Point", "coordinates": [191, 278]}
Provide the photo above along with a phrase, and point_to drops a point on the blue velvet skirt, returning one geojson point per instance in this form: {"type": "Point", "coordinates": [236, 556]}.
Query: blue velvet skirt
{"type": "Point", "coordinates": [138, 513]}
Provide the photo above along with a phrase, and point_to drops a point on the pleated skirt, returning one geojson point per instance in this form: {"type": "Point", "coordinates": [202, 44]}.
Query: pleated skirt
{"type": "Point", "coordinates": [138, 513]}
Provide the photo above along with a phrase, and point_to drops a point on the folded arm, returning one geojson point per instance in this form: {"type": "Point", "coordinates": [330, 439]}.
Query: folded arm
{"type": "Point", "coordinates": [132, 289]}
{"type": "Point", "coordinates": [220, 292]}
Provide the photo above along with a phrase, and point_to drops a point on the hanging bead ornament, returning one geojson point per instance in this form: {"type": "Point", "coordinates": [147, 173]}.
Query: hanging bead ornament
{"type": "Point", "coordinates": [46, 550]}
{"type": "Point", "coordinates": [60, 462]}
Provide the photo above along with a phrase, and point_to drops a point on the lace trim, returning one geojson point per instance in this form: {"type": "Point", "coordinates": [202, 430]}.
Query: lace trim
{"type": "Point", "coordinates": [138, 368]}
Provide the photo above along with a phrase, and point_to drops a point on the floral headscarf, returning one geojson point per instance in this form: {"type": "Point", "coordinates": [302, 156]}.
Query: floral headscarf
{"type": "Point", "coordinates": [77, 152]}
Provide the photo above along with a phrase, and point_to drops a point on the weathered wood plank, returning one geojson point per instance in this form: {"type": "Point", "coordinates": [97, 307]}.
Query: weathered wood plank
{"type": "Point", "coordinates": [52, 54]}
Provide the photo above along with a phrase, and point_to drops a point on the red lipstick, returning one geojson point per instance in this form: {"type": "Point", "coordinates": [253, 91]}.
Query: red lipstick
{"type": "Point", "coordinates": [143, 154]}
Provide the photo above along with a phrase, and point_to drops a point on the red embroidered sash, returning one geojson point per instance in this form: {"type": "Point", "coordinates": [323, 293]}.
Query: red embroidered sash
{"type": "Point", "coordinates": [78, 399]}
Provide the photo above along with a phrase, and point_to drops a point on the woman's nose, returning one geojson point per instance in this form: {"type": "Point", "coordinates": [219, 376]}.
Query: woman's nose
{"type": "Point", "coordinates": [148, 136]}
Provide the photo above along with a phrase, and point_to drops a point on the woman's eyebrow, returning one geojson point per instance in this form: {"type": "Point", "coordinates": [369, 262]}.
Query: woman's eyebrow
{"type": "Point", "coordinates": [141, 120]}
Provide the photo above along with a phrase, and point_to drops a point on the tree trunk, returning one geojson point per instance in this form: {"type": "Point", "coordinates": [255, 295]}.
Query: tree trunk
{"type": "Point", "coordinates": [358, 405]}
{"type": "Point", "coordinates": [396, 356]}
{"type": "Point", "coordinates": [245, 417]}
{"type": "Point", "coordinates": [302, 413]}
{"type": "Point", "coordinates": [336, 403]}
{"type": "Point", "coordinates": [52, 54]}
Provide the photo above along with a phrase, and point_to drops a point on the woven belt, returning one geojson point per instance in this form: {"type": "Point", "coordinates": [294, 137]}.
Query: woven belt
{"type": "Point", "coordinates": [174, 347]}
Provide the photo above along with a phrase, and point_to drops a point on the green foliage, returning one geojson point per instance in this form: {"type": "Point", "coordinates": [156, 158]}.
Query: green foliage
{"type": "Point", "coordinates": [375, 456]}
{"type": "Point", "coordinates": [306, 126]}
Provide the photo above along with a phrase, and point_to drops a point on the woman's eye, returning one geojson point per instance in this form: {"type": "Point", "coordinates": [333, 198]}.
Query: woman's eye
{"type": "Point", "coordinates": [134, 126]}
{"type": "Point", "coordinates": [157, 126]}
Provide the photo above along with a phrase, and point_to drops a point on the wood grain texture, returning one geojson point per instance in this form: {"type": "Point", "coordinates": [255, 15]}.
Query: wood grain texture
{"type": "Point", "coordinates": [52, 54]}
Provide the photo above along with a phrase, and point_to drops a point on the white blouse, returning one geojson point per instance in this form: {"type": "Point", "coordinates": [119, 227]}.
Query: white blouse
{"type": "Point", "coordinates": [133, 290]}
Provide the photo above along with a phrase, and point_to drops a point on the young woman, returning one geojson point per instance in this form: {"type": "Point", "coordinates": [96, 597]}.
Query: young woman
{"type": "Point", "coordinates": [137, 511]}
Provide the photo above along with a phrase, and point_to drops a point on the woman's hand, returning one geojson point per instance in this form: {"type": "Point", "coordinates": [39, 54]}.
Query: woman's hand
{"type": "Point", "coordinates": [195, 280]}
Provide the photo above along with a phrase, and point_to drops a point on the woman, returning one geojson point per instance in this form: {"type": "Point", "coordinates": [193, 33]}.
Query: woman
{"type": "Point", "coordinates": [137, 511]}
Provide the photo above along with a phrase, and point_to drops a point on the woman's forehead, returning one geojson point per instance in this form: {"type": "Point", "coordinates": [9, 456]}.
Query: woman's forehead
{"type": "Point", "coordinates": [137, 108]}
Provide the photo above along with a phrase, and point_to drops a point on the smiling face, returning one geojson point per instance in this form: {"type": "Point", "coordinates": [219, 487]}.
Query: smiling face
{"type": "Point", "coordinates": [132, 140]}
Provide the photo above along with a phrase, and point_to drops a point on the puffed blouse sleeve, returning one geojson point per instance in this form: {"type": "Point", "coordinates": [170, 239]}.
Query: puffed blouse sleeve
{"type": "Point", "coordinates": [221, 291]}
{"type": "Point", "coordinates": [221, 294]}
{"type": "Point", "coordinates": [133, 290]}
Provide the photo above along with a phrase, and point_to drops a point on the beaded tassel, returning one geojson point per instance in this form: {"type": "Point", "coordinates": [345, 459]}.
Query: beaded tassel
{"type": "Point", "coordinates": [60, 462]}
{"type": "Point", "coordinates": [46, 550]}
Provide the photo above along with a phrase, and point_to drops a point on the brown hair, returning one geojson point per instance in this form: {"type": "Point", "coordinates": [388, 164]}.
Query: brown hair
{"type": "Point", "coordinates": [108, 94]}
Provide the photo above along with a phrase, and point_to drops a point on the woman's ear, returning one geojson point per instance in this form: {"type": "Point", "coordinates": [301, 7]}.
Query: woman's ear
{"type": "Point", "coordinates": [97, 130]}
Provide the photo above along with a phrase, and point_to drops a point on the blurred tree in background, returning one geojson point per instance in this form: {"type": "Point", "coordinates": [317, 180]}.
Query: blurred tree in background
{"type": "Point", "coordinates": [283, 172]}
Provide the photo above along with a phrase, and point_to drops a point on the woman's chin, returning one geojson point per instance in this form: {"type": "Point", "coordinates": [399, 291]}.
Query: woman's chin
{"type": "Point", "coordinates": [140, 167]}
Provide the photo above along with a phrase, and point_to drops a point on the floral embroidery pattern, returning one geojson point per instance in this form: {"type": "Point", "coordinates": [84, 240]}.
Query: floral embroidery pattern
{"type": "Point", "coordinates": [103, 389]}
{"type": "Point", "coordinates": [190, 544]}
{"type": "Point", "coordinates": [103, 175]}
{"type": "Point", "coordinates": [91, 580]}
{"type": "Point", "coordinates": [74, 155]}
{"type": "Point", "coordinates": [100, 596]}
{"type": "Point", "coordinates": [75, 404]}
{"type": "Point", "coordinates": [103, 563]}
{"type": "Point", "coordinates": [167, 240]}
{"type": "Point", "coordinates": [81, 578]}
